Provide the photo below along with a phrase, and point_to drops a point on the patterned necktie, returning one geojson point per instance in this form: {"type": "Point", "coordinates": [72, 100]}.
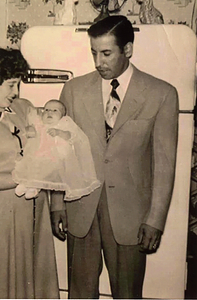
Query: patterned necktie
{"type": "Point", "coordinates": [112, 108]}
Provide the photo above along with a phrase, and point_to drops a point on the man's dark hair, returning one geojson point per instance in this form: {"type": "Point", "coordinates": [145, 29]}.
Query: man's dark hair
{"type": "Point", "coordinates": [12, 64]}
{"type": "Point", "coordinates": [119, 26]}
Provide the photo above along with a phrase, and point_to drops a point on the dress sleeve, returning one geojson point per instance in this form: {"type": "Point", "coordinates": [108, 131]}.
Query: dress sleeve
{"type": "Point", "coordinates": [9, 145]}
{"type": "Point", "coordinates": [7, 158]}
{"type": "Point", "coordinates": [67, 124]}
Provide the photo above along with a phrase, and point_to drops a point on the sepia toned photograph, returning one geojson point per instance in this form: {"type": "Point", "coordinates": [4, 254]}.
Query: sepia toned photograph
{"type": "Point", "coordinates": [98, 152]}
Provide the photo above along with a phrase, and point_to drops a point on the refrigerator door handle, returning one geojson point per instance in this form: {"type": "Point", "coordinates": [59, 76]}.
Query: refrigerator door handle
{"type": "Point", "coordinates": [47, 76]}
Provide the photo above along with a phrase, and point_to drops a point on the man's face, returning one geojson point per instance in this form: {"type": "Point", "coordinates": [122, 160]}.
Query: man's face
{"type": "Point", "coordinates": [109, 60]}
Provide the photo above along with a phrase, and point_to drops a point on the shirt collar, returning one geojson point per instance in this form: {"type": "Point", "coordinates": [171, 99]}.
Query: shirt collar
{"type": "Point", "coordinates": [125, 77]}
{"type": "Point", "coordinates": [123, 80]}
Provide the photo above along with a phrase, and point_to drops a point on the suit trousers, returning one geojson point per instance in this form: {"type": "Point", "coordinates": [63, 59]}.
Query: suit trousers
{"type": "Point", "coordinates": [125, 264]}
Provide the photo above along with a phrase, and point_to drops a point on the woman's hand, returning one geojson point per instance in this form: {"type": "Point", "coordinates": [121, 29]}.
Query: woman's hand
{"type": "Point", "coordinates": [30, 131]}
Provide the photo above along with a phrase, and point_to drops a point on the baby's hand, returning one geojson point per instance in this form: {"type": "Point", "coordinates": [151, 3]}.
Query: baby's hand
{"type": "Point", "coordinates": [30, 131]}
{"type": "Point", "coordinates": [53, 132]}
{"type": "Point", "coordinates": [66, 135]}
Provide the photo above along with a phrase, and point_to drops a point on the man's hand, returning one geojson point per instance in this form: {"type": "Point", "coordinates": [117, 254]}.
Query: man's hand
{"type": "Point", "coordinates": [59, 224]}
{"type": "Point", "coordinates": [149, 238]}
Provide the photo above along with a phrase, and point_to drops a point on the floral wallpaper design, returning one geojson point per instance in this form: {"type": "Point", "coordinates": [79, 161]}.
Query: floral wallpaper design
{"type": "Point", "coordinates": [54, 3]}
{"type": "Point", "coordinates": [21, 4]}
{"type": "Point", "coordinates": [148, 13]}
{"type": "Point", "coordinates": [22, 14]}
{"type": "Point", "coordinates": [194, 18]}
{"type": "Point", "coordinates": [181, 3]}
{"type": "Point", "coordinates": [15, 32]}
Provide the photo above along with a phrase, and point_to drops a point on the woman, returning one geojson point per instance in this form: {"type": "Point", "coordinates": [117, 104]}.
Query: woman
{"type": "Point", "coordinates": [27, 260]}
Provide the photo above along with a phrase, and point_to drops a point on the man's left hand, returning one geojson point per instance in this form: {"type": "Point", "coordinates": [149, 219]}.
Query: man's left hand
{"type": "Point", "coordinates": [149, 238]}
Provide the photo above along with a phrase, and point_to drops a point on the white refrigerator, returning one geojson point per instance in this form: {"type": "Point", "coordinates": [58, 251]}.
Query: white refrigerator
{"type": "Point", "coordinates": [167, 52]}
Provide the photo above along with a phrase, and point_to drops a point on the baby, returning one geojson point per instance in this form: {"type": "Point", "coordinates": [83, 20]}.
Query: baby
{"type": "Point", "coordinates": [57, 156]}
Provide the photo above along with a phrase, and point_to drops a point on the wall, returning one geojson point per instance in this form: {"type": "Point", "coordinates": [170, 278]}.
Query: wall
{"type": "Point", "coordinates": [37, 12]}
{"type": "Point", "coordinates": [3, 23]}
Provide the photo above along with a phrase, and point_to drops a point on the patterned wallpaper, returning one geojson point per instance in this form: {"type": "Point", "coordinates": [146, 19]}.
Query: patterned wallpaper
{"type": "Point", "coordinates": [22, 14]}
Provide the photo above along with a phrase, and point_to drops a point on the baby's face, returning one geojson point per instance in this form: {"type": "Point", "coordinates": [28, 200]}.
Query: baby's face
{"type": "Point", "coordinates": [52, 113]}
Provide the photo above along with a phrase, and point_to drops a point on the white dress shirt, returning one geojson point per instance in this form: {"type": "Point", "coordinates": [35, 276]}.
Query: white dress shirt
{"type": "Point", "coordinates": [123, 80]}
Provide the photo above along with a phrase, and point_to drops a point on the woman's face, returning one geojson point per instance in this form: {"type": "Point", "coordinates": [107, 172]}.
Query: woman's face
{"type": "Point", "coordinates": [8, 91]}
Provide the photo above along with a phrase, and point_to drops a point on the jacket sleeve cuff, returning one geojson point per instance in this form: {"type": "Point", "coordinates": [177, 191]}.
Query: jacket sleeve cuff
{"type": "Point", "coordinates": [57, 201]}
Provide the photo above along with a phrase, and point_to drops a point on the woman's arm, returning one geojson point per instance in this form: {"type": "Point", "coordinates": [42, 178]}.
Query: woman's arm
{"type": "Point", "coordinates": [9, 147]}
{"type": "Point", "coordinates": [6, 181]}
{"type": "Point", "coordinates": [30, 131]}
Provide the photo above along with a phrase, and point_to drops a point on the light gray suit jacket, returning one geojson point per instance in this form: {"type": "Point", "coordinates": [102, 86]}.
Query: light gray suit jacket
{"type": "Point", "coordinates": [138, 163]}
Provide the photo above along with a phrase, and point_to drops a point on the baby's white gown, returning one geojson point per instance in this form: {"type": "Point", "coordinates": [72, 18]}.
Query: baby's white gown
{"type": "Point", "coordinates": [55, 164]}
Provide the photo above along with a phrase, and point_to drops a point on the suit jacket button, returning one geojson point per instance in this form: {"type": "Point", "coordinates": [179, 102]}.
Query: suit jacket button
{"type": "Point", "coordinates": [106, 161]}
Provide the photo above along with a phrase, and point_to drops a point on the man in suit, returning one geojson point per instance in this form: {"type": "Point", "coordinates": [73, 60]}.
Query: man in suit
{"type": "Point", "coordinates": [131, 121]}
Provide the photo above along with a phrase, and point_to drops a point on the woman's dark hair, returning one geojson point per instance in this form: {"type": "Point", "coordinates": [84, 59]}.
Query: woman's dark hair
{"type": "Point", "coordinates": [119, 26]}
{"type": "Point", "coordinates": [12, 64]}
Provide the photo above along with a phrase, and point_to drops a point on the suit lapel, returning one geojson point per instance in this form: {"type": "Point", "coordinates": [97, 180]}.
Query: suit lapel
{"type": "Point", "coordinates": [133, 100]}
{"type": "Point", "coordinates": [131, 105]}
{"type": "Point", "coordinates": [93, 103]}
